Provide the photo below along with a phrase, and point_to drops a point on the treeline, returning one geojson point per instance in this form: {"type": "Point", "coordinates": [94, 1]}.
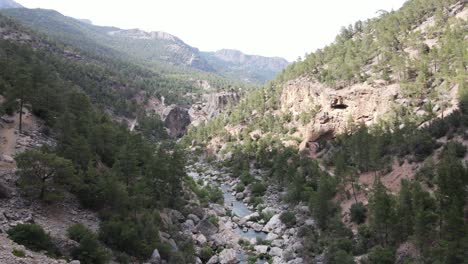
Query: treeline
{"type": "Point", "coordinates": [126, 177]}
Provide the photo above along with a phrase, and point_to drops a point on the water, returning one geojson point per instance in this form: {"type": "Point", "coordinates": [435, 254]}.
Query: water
{"type": "Point", "coordinates": [251, 234]}
{"type": "Point", "coordinates": [238, 208]}
{"type": "Point", "coordinates": [241, 210]}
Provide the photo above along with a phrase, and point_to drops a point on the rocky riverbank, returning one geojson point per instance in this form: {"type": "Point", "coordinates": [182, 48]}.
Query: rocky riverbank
{"type": "Point", "coordinates": [247, 232]}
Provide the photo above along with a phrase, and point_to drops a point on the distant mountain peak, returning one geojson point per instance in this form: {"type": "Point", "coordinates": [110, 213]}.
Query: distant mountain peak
{"type": "Point", "coordinates": [4, 4]}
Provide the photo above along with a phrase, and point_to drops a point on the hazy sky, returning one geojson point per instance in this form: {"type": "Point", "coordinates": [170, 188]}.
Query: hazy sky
{"type": "Point", "coordinates": [286, 28]}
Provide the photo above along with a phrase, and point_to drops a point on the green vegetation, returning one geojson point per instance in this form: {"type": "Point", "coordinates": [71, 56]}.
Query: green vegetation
{"type": "Point", "coordinates": [126, 177]}
{"type": "Point", "coordinates": [288, 218]}
{"type": "Point", "coordinates": [18, 253]}
{"type": "Point", "coordinates": [33, 237]}
{"type": "Point", "coordinates": [89, 249]}
{"type": "Point", "coordinates": [43, 175]}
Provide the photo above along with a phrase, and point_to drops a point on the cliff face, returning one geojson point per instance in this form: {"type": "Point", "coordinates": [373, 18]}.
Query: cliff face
{"type": "Point", "coordinates": [331, 111]}
{"type": "Point", "coordinates": [176, 119]}
{"type": "Point", "coordinates": [211, 106]}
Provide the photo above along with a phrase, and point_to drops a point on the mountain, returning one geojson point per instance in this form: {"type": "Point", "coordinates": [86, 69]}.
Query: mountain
{"type": "Point", "coordinates": [158, 49]}
{"type": "Point", "coordinates": [250, 68]}
{"type": "Point", "coordinates": [4, 4]}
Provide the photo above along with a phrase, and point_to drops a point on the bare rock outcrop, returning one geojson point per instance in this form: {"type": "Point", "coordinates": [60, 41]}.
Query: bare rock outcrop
{"type": "Point", "coordinates": [211, 106]}
{"type": "Point", "coordinates": [332, 111]}
{"type": "Point", "coordinates": [176, 119]}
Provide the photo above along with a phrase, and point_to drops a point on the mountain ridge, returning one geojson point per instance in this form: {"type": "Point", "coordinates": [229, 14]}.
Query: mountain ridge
{"type": "Point", "coordinates": [154, 47]}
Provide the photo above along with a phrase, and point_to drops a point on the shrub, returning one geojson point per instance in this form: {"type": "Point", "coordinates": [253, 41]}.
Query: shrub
{"type": "Point", "coordinates": [213, 219]}
{"type": "Point", "coordinates": [33, 237]}
{"type": "Point", "coordinates": [288, 218]}
{"type": "Point", "coordinates": [258, 189]}
{"type": "Point", "coordinates": [240, 187]}
{"type": "Point", "coordinates": [78, 231]}
{"type": "Point", "coordinates": [89, 250]}
{"type": "Point", "coordinates": [18, 253]}
{"type": "Point", "coordinates": [358, 213]}
{"type": "Point", "coordinates": [206, 253]}
{"type": "Point", "coordinates": [246, 178]}
{"type": "Point", "coordinates": [216, 195]}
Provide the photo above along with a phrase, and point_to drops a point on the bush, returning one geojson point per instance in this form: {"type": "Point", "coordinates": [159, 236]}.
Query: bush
{"type": "Point", "coordinates": [206, 253]}
{"type": "Point", "coordinates": [358, 213]}
{"type": "Point", "coordinates": [216, 195]}
{"type": "Point", "coordinates": [78, 231]}
{"type": "Point", "coordinates": [240, 187]}
{"type": "Point", "coordinates": [33, 237]}
{"type": "Point", "coordinates": [18, 253]}
{"type": "Point", "coordinates": [288, 218]}
{"type": "Point", "coordinates": [258, 189]}
{"type": "Point", "coordinates": [213, 219]}
{"type": "Point", "coordinates": [89, 250]}
{"type": "Point", "coordinates": [246, 178]}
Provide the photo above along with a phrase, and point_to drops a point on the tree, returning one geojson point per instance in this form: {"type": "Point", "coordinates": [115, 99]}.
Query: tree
{"type": "Point", "coordinates": [321, 203]}
{"type": "Point", "coordinates": [44, 175]}
{"type": "Point", "coordinates": [404, 211]}
{"type": "Point", "coordinates": [382, 213]}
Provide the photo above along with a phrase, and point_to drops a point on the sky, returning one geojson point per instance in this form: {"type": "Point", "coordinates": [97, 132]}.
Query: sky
{"type": "Point", "coordinates": [283, 28]}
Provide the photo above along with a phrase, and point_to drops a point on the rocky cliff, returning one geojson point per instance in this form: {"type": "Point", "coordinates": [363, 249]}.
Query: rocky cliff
{"type": "Point", "coordinates": [212, 105]}
{"type": "Point", "coordinates": [331, 111]}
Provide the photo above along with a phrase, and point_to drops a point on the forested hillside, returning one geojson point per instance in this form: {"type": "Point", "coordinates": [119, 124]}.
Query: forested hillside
{"type": "Point", "coordinates": [127, 178]}
{"type": "Point", "coordinates": [369, 133]}
{"type": "Point", "coordinates": [159, 51]}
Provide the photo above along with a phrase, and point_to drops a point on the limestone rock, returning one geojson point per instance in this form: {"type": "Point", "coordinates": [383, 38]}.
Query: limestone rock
{"type": "Point", "coordinates": [155, 257]}
{"type": "Point", "coordinates": [228, 256]}
{"type": "Point", "coordinates": [261, 249]}
{"type": "Point", "coordinates": [276, 252]}
{"type": "Point", "coordinates": [206, 227]}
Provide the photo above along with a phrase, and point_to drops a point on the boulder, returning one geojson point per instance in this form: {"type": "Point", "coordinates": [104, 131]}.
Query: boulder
{"type": "Point", "coordinates": [296, 261]}
{"type": "Point", "coordinates": [200, 239]}
{"type": "Point", "coordinates": [273, 223]}
{"type": "Point", "coordinates": [206, 227]}
{"type": "Point", "coordinates": [261, 249]}
{"type": "Point", "coordinates": [276, 252]}
{"type": "Point", "coordinates": [213, 260]}
{"type": "Point", "coordinates": [252, 217]}
{"type": "Point", "coordinates": [7, 158]}
{"type": "Point", "coordinates": [194, 218]}
{"type": "Point", "coordinates": [155, 257]}
{"type": "Point", "coordinates": [271, 236]}
{"type": "Point", "coordinates": [228, 256]}
{"type": "Point", "coordinates": [257, 227]}
{"type": "Point", "coordinates": [240, 196]}
{"type": "Point", "coordinates": [218, 209]}
{"type": "Point", "coordinates": [5, 192]}
{"type": "Point", "coordinates": [189, 224]}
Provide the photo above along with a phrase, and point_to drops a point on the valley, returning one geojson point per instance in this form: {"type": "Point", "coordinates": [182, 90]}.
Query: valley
{"type": "Point", "coordinates": [131, 146]}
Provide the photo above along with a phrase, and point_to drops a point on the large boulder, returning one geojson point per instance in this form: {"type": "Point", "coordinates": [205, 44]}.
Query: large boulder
{"type": "Point", "coordinates": [261, 249]}
{"type": "Point", "coordinates": [206, 227]}
{"type": "Point", "coordinates": [155, 257]}
{"type": "Point", "coordinates": [228, 256]}
{"type": "Point", "coordinates": [273, 224]}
